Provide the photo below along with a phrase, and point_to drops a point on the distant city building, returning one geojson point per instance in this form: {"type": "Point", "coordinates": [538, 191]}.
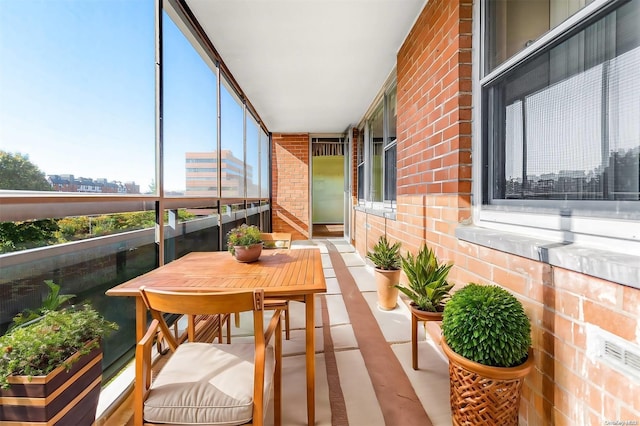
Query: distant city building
{"type": "Point", "coordinates": [69, 183]}
{"type": "Point", "coordinates": [202, 174]}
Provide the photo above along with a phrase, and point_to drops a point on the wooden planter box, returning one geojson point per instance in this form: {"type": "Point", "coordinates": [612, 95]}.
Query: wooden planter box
{"type": "Point", "coordinates": [59, 398]}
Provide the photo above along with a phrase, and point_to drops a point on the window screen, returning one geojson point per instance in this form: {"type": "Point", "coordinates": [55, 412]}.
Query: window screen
{"type": "Point", "coordinates": [565, 125]}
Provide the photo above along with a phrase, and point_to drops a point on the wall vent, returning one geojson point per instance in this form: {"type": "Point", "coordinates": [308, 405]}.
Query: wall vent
{"type": "Point", "coordinates": [614, 351]}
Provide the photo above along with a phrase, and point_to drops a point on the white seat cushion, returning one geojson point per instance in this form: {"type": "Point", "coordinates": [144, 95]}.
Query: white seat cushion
{"type": "Point", "coordinates": [210, 384]}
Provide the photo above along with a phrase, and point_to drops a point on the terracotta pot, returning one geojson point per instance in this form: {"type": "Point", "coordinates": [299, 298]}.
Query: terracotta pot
{"type": "Point", "coordinates": [246, 254]}
{"type": "Point", "coordinates": [484, 395]}
{"type": "Point", "coordinates": [62, 397]}
{"type": "Point", "coordinates": [387, 293]}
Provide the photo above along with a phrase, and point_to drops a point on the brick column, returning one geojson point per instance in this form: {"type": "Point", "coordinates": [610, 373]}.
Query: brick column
{"type": "Point", "coordinates": [290, 174]}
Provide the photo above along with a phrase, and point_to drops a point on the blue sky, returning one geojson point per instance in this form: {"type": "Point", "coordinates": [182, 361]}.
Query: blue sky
{"type": "Point", "coordinates": [77, 91]}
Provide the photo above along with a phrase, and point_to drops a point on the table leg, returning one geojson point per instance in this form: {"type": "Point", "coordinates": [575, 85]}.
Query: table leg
{"type": "Point", "coordinates": [311, 358]}
{"type": "Point", "coordinates": [141, 323]}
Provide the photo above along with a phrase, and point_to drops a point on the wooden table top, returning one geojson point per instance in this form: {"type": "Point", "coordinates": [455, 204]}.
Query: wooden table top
{"type": "Point", "coordinates": [280, 273]}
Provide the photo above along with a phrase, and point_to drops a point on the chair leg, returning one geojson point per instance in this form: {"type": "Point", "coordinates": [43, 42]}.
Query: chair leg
{"type": "Point", "coordinates": [220, 319]}
{"type": "Point", "coordinates": [277, 391]}
{"type": "Point", "coordinates": [287, 333]}
{"type": "Point", "coordinates": [236, 316]}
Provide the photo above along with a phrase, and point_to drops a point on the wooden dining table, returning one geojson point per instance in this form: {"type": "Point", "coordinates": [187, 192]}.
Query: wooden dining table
{"type": "Point", "coordinates": [282, 274]}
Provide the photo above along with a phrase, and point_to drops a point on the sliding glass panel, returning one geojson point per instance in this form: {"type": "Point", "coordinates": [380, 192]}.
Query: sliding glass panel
{"type": "Point", "coordinates": [85, 268]}
{"type": "Point", "coordinates": [253, 146]}
{"type": "Point", "coordinates": [189, 118]}
{"type": "Point", "coordinates": [77, 85]}
{"type": "Point", "coordinates": [188, 230]}
{"type": "Point", "coordinates": [265, 161]}
{"type": "Point", "coordinates": [232, 154]}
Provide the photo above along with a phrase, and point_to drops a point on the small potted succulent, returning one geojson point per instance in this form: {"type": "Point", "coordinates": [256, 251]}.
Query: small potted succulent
{"type": "Point", "coordinates": [487, 338]}
{"type": "Point", "coordinates": [245, 243]}
{"type": "Point", "coordinates": [50, 366]}
{"type": "Point", "coordinates": [427, 287]}
{"type": "Point", "coordinates": [386, 258]}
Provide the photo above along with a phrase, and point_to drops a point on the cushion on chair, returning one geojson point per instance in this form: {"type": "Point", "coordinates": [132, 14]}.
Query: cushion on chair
{"type": "Point", "coordinates": [188, 389]}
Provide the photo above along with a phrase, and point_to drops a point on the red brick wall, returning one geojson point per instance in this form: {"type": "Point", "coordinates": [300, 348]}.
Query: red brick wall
{"type": "Point", "coordinates": [290, 176]}
{"type": "Point", "coordinates": [434, 126]}
{"type": "Point", "coordinates": [434, 102]}
{"type": "Point", "coordinates": [567, 387]}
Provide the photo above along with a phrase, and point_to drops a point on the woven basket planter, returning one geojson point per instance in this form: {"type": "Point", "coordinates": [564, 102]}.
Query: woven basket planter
{"type": "Point", "coordinates": [482, 395]}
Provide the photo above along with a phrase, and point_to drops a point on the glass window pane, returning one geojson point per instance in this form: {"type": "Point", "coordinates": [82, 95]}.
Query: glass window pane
{"type": "Point", "coordinates": [78, 92]}
{"type": "Point", "coordinates": [377, 143]}
{"type": "Point", "coordinates": [265, 161]}
{"type": "Point", "coordinates": [570, 130]}
{"type": "Point", "coordinates": [392, 115]}
{"type": "Point", "coordinates": [390, 146]}
{"type": "Point", "coordinates": [190, 229]}
{"type": "Point", "coordinates": [253, 190]}
{"type": "Point", "coordinates": [390, 173]}
{"type": "Point", "coordinates": [232, 142]}
{"type": "Point", "coordinates": [81, 265]}
{"type": "Point", "coordinates": [189, 117]}
{"type": "Point", "coordinates": [513, 25]}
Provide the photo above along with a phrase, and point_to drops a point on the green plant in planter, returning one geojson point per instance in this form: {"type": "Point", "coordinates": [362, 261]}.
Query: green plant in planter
{"type": "Point", "coordinates": [38, 347]}
{"type": "Point", "coordinates": [428, 287]}
{"type": "Point", "coordinates": [243, 235]}
{"type": "Point", "coordinates": [384, 255]}
{"type": "Point", "coordinates": [487, 324]}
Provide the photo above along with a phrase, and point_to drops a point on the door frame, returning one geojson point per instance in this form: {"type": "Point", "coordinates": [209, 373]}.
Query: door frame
{"type": "Point", "coordinates": [346, 177]}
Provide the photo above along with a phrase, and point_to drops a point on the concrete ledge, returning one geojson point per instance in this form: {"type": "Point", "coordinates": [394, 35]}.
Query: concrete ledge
{"type": "Point", "coordinates": [385, 213]}
{"type": "Point", "coordinates": [611, 266]}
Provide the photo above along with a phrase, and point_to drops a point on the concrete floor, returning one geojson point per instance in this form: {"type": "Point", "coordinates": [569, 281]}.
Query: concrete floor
{"type": "Point", "coordinates": [363, 407]}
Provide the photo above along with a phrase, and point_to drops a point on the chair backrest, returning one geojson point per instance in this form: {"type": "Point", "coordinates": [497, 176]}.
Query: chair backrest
{"type": "Point", "coordinates": [280, 240]}
{"type": "Point", "coordinates": [192, 303]}
{"type": "Point", "coordinates": [161, 302]}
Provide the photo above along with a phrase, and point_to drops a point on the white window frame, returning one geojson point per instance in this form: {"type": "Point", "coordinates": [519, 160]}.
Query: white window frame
{"type": "Point", "coordinates": [587, 244]}
{"type": "Point", "coordinates": [384, 206]}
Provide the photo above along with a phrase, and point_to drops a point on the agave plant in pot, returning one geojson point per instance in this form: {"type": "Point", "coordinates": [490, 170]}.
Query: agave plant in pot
{"type": "Point", "coordinates": [428, 290]}
{"type": "Point", "coordinates": [487, 338]}
{"type": "Point", "coordinates": [386, 258]}
{"type": "Point", "coordinates": [427, 287]}
{"type": "Point", "coordinates": [245, 243]}
{"type": "Point", "coordinates": [50, 368]}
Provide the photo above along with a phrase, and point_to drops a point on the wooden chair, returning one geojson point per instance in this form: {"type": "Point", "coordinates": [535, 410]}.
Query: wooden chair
{"type": "Point", "coordinates": [205, 383]}
{"type": "Point", "coordinates": [207, 329]}
{"type": "Point", "coordinates": [278, 240]}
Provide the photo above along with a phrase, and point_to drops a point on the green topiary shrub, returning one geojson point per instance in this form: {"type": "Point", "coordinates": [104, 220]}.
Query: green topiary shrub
{"type": "Point", "coordinates": [487, 324]}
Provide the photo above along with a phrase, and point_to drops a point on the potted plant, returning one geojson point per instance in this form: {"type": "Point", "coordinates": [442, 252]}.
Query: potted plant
{"type": "Point", "coordinates": [428, 287]}
{"type": "Point", "coordinates": [487, 338]}
{"type": "Point", "coordinates": [50, 367]}
{"type": "Point", "coordinates": [386, 258]}
{"type": "Point", "coordinates": [244, 243]}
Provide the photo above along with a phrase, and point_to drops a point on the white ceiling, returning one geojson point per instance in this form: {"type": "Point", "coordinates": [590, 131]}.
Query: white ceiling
{"type": "Point", "coordinates": [308, 65]}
